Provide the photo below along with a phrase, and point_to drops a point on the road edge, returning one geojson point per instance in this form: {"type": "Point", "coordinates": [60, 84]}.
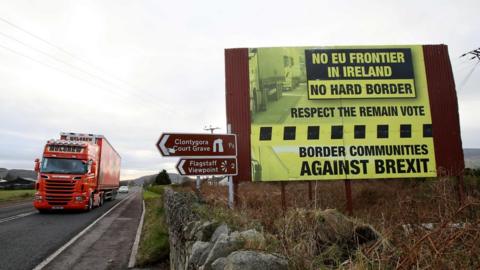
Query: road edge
{"type": "Point", "coordinates": [136, 243]}
{"type": "Point", "coordinates": [17, 216]}
{"type": "Point", "coordinates": [75, 238]}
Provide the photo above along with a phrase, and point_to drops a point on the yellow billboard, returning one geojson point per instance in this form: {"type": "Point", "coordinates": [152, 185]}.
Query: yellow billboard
{"type": "Point", "coordinates": [329, 113]}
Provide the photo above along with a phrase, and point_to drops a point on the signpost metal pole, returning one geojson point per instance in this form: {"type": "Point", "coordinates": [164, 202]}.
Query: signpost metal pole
{"type": "Point", "coordinates": [197, 184]}
{"type": "Point", "coordinates": [230, 192]}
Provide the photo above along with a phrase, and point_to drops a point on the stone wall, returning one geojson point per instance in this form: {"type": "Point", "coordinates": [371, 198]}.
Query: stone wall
{"type": "Point", "coordinates": [209, 245]}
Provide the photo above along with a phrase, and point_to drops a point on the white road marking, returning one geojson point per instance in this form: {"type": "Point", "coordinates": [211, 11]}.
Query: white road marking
{"type": "Point", "coordinates": [75, 238]}
{"type": "Point", "coordinates": [133, 255]}
{"type": "Point", "coordinates": [17, 216]}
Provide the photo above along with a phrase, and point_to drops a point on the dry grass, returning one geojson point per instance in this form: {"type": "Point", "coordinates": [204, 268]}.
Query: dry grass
{"type": "Point", "coordinates": [422, 222]}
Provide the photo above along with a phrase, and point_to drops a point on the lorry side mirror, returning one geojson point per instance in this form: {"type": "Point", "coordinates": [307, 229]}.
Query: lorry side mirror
{"type": "Point", "coordinates": [37, 165]}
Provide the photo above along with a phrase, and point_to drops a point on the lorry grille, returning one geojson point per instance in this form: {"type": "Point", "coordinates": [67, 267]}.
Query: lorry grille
{"type": "Point", "coordinates": [59, 192]}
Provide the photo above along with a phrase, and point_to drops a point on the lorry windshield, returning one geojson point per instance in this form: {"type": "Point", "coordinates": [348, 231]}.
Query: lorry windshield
{"type": "Point", "coordinates": [63, 165]}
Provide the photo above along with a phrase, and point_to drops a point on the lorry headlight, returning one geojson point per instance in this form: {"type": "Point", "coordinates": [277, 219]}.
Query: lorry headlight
{"type": "Point", "coordinates": [79, 198]}
{"type": "Point", "coordinates": [38, 197]}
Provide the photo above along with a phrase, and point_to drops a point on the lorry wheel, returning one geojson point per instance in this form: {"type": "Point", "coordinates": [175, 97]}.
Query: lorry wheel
{"type": "Point", "coordinates": [101, 200]}
{"type": "Point", "coordinates": [90, 203]}
{"type": "Point", "coordinates": [42, 211]}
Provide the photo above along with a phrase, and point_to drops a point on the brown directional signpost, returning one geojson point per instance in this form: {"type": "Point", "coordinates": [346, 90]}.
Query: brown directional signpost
{"type": "Point", "coordinates": [197, 145]}
{"type": "Point", "coordinates": [205, 154]}
{"type": "Point", "coordinates": [207, 166]}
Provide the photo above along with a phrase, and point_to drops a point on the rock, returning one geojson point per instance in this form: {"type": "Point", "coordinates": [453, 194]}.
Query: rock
{"type": "Point", "coordinates": [178, 210]}
{"type": "Point", "coordinates": [335, 227]}
{"type": "Point", "coordinates": [253, 239]}
{"type": "Point", "coordinates": [365, 233]}
{"type": "Point", "coordinates": [252, 235]}
{"type": "Point", "coordinates": [190, 229]}
{"type": "Point", "coordinates": [179, 214]}
{"type": "Point", "coordinates": [205, 230]}
{"type": "Point", "coordinates": [222, 229]}
{"type": "Point", "coordinates": [199, 230]}
{"type": "Point", "coordinates": [219, 264]}
{"type": "Point", "coordinates": [252, 260]}
{"type": "Point", "coordinates": [234, 235]}
{"type": "Point", "coordinates": [206, 245]}
{"type": "Point", "coordinates": [200, 251]}
{"type": "Point", "coordinates": [224, 245]}
{"type": "Point", "coordinates": [331, 234]}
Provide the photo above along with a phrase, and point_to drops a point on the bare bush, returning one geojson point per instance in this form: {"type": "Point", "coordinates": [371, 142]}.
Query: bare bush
{"type": "Point", "coordinates": [422, 222]}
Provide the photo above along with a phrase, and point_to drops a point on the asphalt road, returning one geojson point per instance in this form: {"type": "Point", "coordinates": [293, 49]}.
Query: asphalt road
{"type": "Point", "coordinates": [108, 244]}
{"type": "Point", "coordinates": [10, 211]}
{"type": "Point", "coordinates": [25, 241]}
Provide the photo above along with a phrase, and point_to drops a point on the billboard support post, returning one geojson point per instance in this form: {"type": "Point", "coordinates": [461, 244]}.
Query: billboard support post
{"type": "Point", "coordinates": [283, 197]}
{"type": "Point", "coordinates": [461, 189]}
{"type": "Point", "coordinates": [231, 189]}
{"type": "Point", "coordinates": [348, 195]}
{"type": "Point", "coordinates": [310, 197]}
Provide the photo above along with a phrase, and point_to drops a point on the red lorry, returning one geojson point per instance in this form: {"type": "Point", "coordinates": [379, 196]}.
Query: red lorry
{"type": "Point", "coordinates": [78, 171]}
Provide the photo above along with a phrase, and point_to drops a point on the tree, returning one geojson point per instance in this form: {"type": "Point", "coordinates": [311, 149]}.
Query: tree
{"type": "Point", "coordinates": [163, 178]}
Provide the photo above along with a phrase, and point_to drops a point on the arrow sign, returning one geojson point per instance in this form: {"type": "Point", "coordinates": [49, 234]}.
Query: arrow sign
{"type": "Point", "coordinates": [197, 145]}
{"type": "Point", "coordinates": [207, 166]}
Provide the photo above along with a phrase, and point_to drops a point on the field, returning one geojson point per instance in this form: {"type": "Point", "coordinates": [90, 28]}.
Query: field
{"type": "Point", "coordinates": [422, 223]}
{"type": "Point", "coordinates": [13, 195]}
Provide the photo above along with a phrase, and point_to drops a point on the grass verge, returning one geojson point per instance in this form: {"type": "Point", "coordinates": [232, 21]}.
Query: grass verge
{"type": "Point", "coordinates": [13, 195]}
{"type": "Point", "coordinates": [154, 246]}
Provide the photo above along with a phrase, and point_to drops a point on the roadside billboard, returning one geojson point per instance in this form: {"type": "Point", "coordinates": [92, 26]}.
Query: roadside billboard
{"type": "Point", "coordinates": [326, 113]}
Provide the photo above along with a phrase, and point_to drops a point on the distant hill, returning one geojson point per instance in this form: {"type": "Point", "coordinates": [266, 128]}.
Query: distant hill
{"type": "Point", "coordinates": [24, 174]}
{"type": "Point", "coordinates": [174, 177]}
{"type": "Point", "coordinates": [17, 179]}
{"type": "Point", "coordinates": [146, 179]}
{"type": "Point", "coordinates": [472, 158]}
{"type": "Point", "coordinates": [3, 173]}
{"type": "Point", "coordinates": [14, 174]}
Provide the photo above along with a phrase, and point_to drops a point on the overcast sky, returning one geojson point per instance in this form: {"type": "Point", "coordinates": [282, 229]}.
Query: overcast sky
{"type": "Point", "coordinates": [132, 69]}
